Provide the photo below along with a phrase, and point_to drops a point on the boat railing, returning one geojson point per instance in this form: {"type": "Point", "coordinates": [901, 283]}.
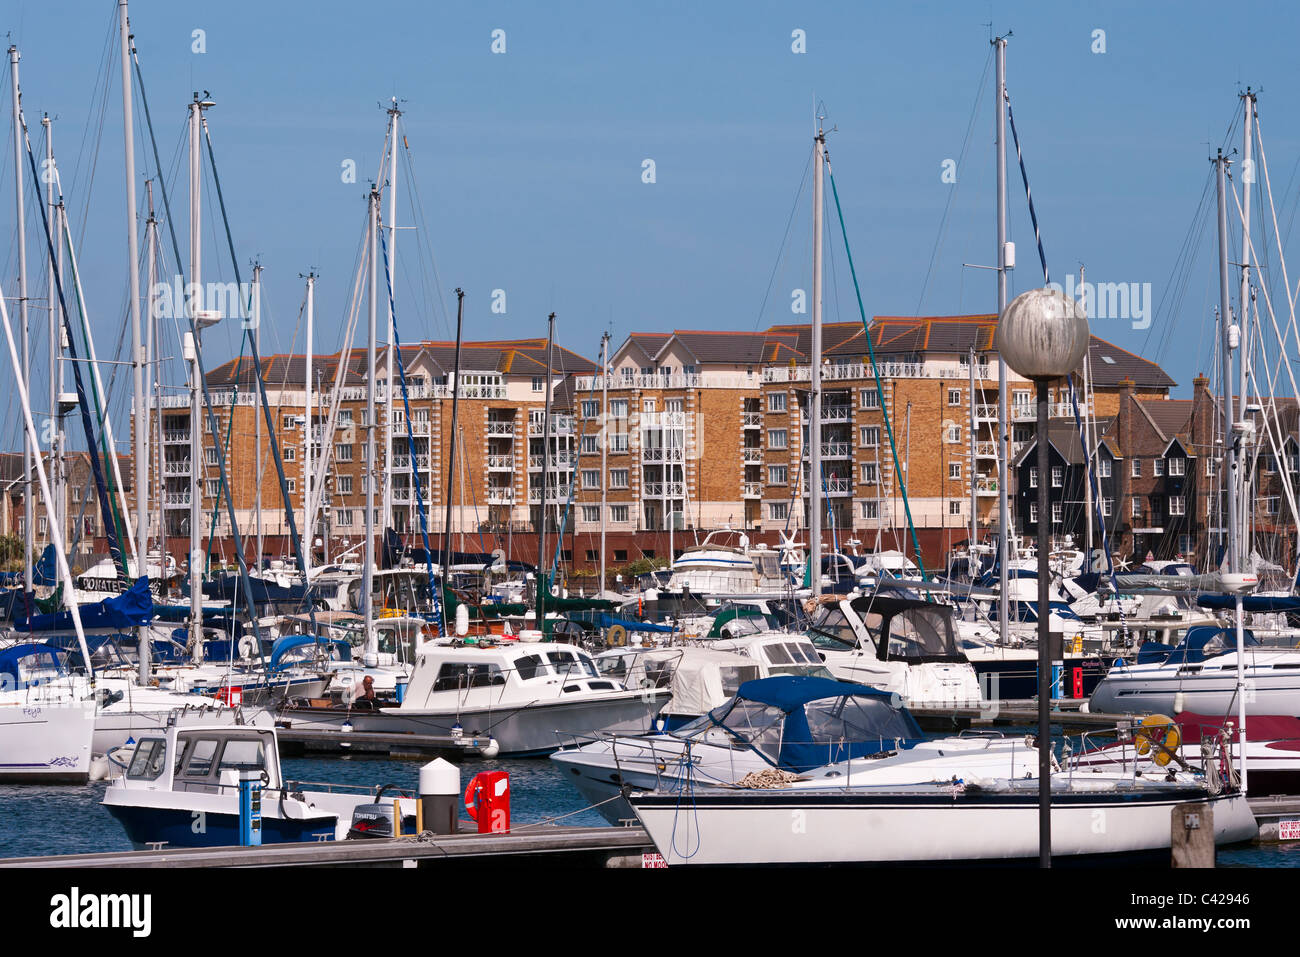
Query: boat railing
{"type": "Point", "coordinates": [1132, 747]}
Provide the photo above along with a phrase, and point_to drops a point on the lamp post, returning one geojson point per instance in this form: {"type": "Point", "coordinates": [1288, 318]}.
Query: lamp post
{"type": "Point", "coordinates": [1043, 335]}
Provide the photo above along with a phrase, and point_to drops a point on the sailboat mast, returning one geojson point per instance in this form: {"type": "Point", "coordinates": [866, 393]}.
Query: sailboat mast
{"type": "Point", "coordinates": [1004, 430]}
{"type": "Point", "coordinates": [974, 530]}
{"type": "Point", "coordinates": [546, 465]}
{"type": "Point", "coordinates": [257, 417]}
{"type": "Point", "coordinates": [194, 301]}
{"type": "Point", "coordinates": [155, 369]}
{"type": "Point", "coordinates": [59, 514]}
{"type": "Point", "coordinates": [393, 114]}
{"type": "Point", "coordinates": [815, 381]}
{"type": "Point", "coordinates": [451, 452]}
{"type": "Point", "coordinates": [1227, 330]}
{"type": "Point", "coordinates": [1244, 510]}
{"type": "Point", "coordinates": [309, 519]}
{"type": "Point", "coordinates": [604, 453]}
{"type": "Point", "coordinates": [28, 511]}
{"type": "Point", "coordinates": [368, 565]}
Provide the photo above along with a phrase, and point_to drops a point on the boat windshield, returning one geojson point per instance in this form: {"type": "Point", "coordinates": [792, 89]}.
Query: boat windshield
{"type": "Point", "coordinates": [922, 633]}
{"type": "Point", "coordinates": [747, 724]}
{"type": "Point", "coordinates": [856, 718]}
{"type": "Point", "coordinates": [832, 631]}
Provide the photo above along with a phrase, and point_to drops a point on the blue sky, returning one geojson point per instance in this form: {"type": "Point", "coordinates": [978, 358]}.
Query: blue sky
{"type": "Point", "coordinates": [529, 163]}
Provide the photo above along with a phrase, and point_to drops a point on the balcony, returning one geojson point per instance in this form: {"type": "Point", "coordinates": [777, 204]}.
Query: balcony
{"type": "Point", "coordinates": [836, 450]}
{"type": "Point", "coordinates": [176, 467]}
{"type": "Point", "coordinates": [502, 428]}
{"type": "Point", "coordinates": [176, 499]}
{"type": "Point", "coordinates": [663, 490]}
{"type": "Point", "coordinates": [500, 495]}
{"type": "Point", "coordinates": [752, 420]}
{"type": "Point", "coordinates": [839, 486]}
{"type": "Point", "coordinates": [501, 463]}
{"type": "Point", "coordinates": [752, 490]}
{"type": "Point", "coordinates": [560, 425]}
{"type": "Point", "coordinates": [556, 493]}
{"type": "Point", "coordinates": [837, 413]}
{"type": "Point", "coordinates": [403, 495]}
{"type": "Point", "coordinates": [561, 459]}
{"type": "Point", "coordinates": [752, 455]}
{"type": "Point", "coordinates": [176, 437]}
{"type": "Point", "coordinates": [707, 380]}
{"type": "Point", "coordinates": [986, 487]}
{"type": "Point", "coordinates": [402, 463]}
{"type": "Point", "coordinates": [986, 450]}
{"type": "Point", "coordinates": [661, 454]}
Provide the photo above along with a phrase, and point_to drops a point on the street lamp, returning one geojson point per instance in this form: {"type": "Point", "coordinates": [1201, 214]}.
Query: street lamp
{"type": "Point", "coordinates": [1043, 334]}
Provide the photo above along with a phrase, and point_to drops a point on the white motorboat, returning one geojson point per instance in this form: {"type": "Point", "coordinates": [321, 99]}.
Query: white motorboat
{"type": "Point", "coordinates": [524, 695]}
{"type": "Point", "coordinates": [905, 646]}
{"type": "Point", "coordinates": [716, 568]}
{"type": "Point", "coordinates": [181, 787]}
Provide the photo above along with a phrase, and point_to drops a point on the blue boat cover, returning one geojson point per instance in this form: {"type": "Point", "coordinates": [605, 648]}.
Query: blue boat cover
{"type": "Point", "coordinates": [603, 619]}
{"type": "Point", "coordinates": [229, 589]}
{"type": "Point", "coordinates": [10, 657]}
{"type": "Point", "coordinates": [788, 692]}
{"type": "Point", "coordinates": [288, 643]}
{"type": "Point", "coordinates": [130, 609]}
{"type": "Point", "coordinates": [1251, 602]}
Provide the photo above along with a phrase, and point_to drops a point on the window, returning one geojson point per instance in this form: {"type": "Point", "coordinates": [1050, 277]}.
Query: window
{"type": "Point", "coordinates": [148, 760]}
{"type": "Point", "coordinates": [647, 405]}
{"type": "Point", "coordinates": [590, 408]}
{"type": "Point", "coordinates": [1178, 465]}
{"type": "Point", "coordinates": [776, 439]}
{"type": "Point", "coordinates": [291, 485]}
{"type": "Point", "coordinates": [343, 453]}
{"type": "Point", "coordinates": [1103, 467]}
{"type": "Point", "coordinates": [1176, 506]}
{"type": "Point", "coordinates": [776, 475]}
{"type": "Point", "coordinates": [345, 484]}
{"type": "Point", "coordinates": [869, 436]}
{"type": "Point", "coordinates": [1211, 467]}
{"type": "Point", "coordinates": [1033, 513]}
{"type": "Point", "coordinates": [1106, 506]}
{"type": "Point", "coordinates": [41, 527]}
{"type": "Point", "coordinates": [1058, 476]}
{"type": "Point", "coordinates": [1271, 504]}
{"type": "Point", "coordinates": [1033, 478]}
{"type": "Point", "coordinates": [618, 513]}
{"type": "Point", "coordinates": [628, 373]}
{"type": "Point", "coordinates": [198, 763]}
{"type": "Point", "coordinates": [1136, 511]}
{"type": "Point", "coordinates": [618, 478]}
{"type": "Point", "coordinates": [212, 487]}
{"type": "Point", "coordinates": [1058, 512]}
{"type": "Point", "coordinates": [343, 517]}
{"type": "Point", "coordinates": [207, 424]}
{"type": "Point", "coordinates": [776, 402]}
{"type": "Point", "coordinates": [1158, 467]}
{"type": "Point", "coordinates": [289, 453]}
{"type": "Point", "coordinates": [871, 510]}
{"type": "Point", "coordinates": [618, 407]}
{"type": "Point", "coordinates": [954, 507]}
{"type": "Point", "coordinates": [868, 473]}
{"type": "Point", "coordinates": [954, 396]}
{"type": "Point", "coordinates": [210, 457]}
{"type": "Point", "coordinates": [591, 513]}
{"type": "Point", "coordinates": [778, 510]}
{"type": "Point", "coordinates": [869, 398]}
{"type": "Point", "coordinates": [618, 442]}
{"type": "Point", "coordinates": [589, 443]}
{"type": "Point", "coordinates": [1136, 469]}
{"type": "Point", "coordinates": [591, 478]}
{"type": "Point", "coordinates": [954, 470]}
{"type": "Point", "coordinates": [538, 382]}
{"type": "Point", "coordinates": [456, 676]}
{"type": "Point", "coordinates": [954, 433]}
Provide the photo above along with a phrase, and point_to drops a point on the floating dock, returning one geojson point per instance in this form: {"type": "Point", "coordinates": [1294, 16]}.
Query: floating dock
{"type": "Point", "coordinates": [298, 741]}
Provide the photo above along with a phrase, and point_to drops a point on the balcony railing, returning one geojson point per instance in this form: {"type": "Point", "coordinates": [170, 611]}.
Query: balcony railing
{"type": "Point", "coordinates": [706, 380]}
{"type": "Point", "coordinates": [176, 436]}
{"type": "Point", "coordinates": [501, 428]}
{"type": "Point", "coordinates": [176, 467]}
{"type": "Point", "coordinates": [753, 420]}
{"type": "Point", "coordinates": [560, 425]}
{"type": "Point", "coordinates": [498, 495]}
{"type": "Point", "coordinates": [663, 490]}
{"type": "Point", "coordinates": [888, 370]}
{"type": "Point", "coordinates": [499, 463]}
{"type": "Point", "coordinates": [752, 490]}
{"type": "Point", "coordinates": [660, 453]}
{"type": "Point", "coordinates": [555, 493]}
{"type": "Point", "coordinates": [986, 487]}
{"type": "Point", "coordinates": [753, 455]}
{"type": "Point", "coordinates": [403, 462]}
{"type": "Point", "coordinates": [176, 499]}
{"type": "Point", "coordinates": [836, 450]}
{"type": "Point", "coordinates": [560, 458]}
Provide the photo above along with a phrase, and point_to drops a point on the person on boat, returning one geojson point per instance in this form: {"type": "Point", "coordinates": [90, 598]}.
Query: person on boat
{"type": "Point", "coordinates": [363, 695]}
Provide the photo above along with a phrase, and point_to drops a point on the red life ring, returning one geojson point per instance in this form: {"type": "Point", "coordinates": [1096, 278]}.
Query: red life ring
{"type": "Point", "coordinates": [471, 795]}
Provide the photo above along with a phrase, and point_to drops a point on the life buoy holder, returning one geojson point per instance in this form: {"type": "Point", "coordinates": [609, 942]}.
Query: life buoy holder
{"type": "Point", "coordinates": [471, 795]}
{"type": "Point", "coordinates": [1159, 737]}
{"type": "Point", "coordinates": [616, 637]}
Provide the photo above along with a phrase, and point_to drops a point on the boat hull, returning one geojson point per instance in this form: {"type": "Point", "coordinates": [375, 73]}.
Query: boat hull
{"type": "Point", "coordinates": [536, 729]}
{"type": "Point", "coordinates": [731, 827]}
{"type": "Point", "coordinates": [45, 743]}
